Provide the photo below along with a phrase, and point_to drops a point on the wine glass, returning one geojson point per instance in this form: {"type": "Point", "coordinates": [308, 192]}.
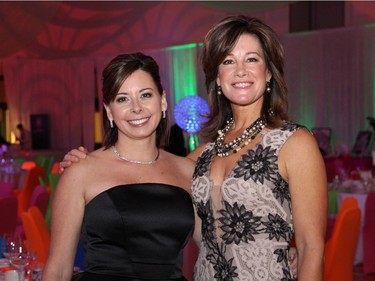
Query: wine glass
{"type": "Point", "coordinates": [20, 259]}
{"type": "Point", "coordinates": [12, 248]}
{"type": "Point", "coordinates": [10, 242]}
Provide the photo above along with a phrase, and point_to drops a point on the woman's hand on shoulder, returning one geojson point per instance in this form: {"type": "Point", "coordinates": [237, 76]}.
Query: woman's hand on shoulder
{"type": "Point", "coordinates": [73, 156]}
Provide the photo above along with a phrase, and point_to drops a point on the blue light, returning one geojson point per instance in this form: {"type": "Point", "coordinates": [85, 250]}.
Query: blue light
{"type": "Point", "coordinates": [190, 113]}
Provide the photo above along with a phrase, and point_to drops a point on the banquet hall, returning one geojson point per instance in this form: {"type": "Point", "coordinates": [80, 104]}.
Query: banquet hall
{"type": "Point", "coordinates": [53, 52]}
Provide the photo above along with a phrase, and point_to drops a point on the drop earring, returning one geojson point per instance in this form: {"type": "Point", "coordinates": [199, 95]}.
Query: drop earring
{"type": "Point", "coordinates": [164, 114]}
{"type": "Point", "coordinates": [268, 87]}
{"type": "Point", "coordinates": [111, 123]}
{"type": "Point", "coordinates": [219, 91]}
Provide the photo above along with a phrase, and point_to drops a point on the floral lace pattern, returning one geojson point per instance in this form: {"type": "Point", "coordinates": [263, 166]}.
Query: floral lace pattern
{"type": "Point", "coordinates": [254, 217]}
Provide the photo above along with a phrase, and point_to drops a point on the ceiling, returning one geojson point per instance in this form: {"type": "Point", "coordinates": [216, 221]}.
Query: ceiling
{"type": "Point", "coordinates": [54, 29]}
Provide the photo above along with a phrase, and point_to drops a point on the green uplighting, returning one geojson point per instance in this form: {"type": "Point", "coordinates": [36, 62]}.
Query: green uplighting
{"type": "Point", "coordinates": [183, 65]}
{"type": "Point", "coordinates": [183, 73]}
{"type": "Point", "coordinates": [183, 47]}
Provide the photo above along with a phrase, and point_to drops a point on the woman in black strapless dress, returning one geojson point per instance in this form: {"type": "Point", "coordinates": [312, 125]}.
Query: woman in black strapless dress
{"type": "Point", "coordinates": [129, 201]}
{"type": "Point", "coordinates": [139, 231]}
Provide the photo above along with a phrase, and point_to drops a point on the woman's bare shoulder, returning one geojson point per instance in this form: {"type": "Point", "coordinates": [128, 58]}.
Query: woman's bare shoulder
{"type": "Point", "coordinates": [179, 160]}
{"type": "Point", "coordinates": [179, 165]}
{"type": "Point", "coordinates": [196, 152]}
{"type": "Point", "coordinates": [82, 169]}
{"type": "Point", "coordinates": [301, 140]}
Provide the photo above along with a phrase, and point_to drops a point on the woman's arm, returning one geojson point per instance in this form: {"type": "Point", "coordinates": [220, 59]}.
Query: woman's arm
{"type": "Point", "coordinates": [67, 213]}
{"type": "Point", "coordinates": [197, 235]}
{"type": "Point", "coordinates": [302, 164]}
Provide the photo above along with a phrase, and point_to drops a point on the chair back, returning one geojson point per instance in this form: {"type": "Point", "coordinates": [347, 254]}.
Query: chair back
{"type": "Point", "coordinates": [9, 215]}
{"type": "Point", "coordinates": [55, 168]}
{"type": "Point", "coordinates": [36, 233]}
{"type": "Point", "coordinates": [27, 165]}
{"type": "Point", "coordinates": [362, 145]}
{"type": "Point", "coordinates": [53, 180]}
{"type": "Point", "coordinates": [31, 181]}
{"type": "Point", "coordinates": [6, 189]}
{"type": "Point", "coordinates": [340, 248]}
{"type": "Point", "coordinates": [369, 234]}
{"type": "Point", "coordinates": [40, 199]}
{"type": "Point", "coordinates": [348, 203]}
{"type": "Point", "coordinates": [45, 161]}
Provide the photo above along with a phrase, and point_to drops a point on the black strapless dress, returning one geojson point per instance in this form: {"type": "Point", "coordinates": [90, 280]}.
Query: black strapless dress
{"type": "Point", "coordinates": [136, 232]}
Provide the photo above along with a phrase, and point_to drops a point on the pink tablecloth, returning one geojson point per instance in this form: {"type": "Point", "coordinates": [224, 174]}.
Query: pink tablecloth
{"type": "Point", "coordinates": [337, 165]}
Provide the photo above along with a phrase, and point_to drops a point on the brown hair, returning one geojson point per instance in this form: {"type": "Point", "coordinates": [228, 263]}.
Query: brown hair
{"type": "Point", "coordinates": [114, 75]}
{"type": "Point", "coordinates": [219, 41]}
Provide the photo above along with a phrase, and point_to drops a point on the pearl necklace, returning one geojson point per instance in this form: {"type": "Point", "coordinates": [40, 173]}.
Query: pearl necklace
{"type": "Point", "coordinates": [119, 155]}
{"type": "Point", "coordinates": [226, 149]}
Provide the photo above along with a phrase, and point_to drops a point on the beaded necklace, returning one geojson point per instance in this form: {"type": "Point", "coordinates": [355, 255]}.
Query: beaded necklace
{"type": "Point", "coordinates": [227, 149]}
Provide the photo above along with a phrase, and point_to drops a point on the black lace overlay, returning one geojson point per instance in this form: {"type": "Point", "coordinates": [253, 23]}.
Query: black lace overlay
{"type": "Point", "coordinates": [255, 217]}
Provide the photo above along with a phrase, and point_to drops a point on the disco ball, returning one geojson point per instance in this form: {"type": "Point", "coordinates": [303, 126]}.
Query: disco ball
{"type": "Point", "coordinates": [190, 113]}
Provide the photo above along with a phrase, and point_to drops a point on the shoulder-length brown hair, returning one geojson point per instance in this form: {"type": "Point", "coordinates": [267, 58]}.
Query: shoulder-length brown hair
{"type": "Point", "coordinates": [114, 75]}
{"type": "Point", "coordinates": [219, 41]}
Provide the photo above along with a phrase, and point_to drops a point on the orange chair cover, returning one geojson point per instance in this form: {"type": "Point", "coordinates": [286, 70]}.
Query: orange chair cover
{"type": "Point", "coordinates": [31, 181]}
{"type": "Point", "coordinates": [340, 248]}
{"type": "Point", "coordinates": [37, 233]}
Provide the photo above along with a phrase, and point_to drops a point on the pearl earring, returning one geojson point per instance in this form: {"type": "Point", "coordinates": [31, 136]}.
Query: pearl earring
{"type": "Point", "coordinates": [219, 91]}
{"type": "Point", "coordinates": [268, 87]}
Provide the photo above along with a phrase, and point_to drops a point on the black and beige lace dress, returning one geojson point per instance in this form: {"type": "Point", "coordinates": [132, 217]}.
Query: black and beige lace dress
{"type": "Point", "coordinates": [247, 221]}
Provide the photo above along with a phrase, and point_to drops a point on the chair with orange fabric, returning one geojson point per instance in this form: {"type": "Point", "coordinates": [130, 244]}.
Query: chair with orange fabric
{"type": "Point", "coordinates": [55, 168]}
{"type": "Point", "coordinates": [53, 179]}
{"type": "Point", "coordinates": [340, 248]}
{"type": "Point", "coordinates": [45, 161]}
{"type": "Point", "coordinates": [27, 165]}
{"type": "Point", "coordinates": [369, 234]}
{"type": "Point", "coordinates": [40, 199]}
{"type": "Point", "coordinates": [31, 181]}
{"type": "Point", "coordinates": [36, 233]}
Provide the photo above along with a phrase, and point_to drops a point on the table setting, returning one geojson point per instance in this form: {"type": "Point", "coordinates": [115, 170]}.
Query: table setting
{"type": "Point", "coordinates": [357, 184]}
{"type": "Point", "coordinates": [18, 262]}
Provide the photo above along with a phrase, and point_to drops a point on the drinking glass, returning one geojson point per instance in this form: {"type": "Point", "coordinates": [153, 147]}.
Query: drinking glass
{"type": "Point", "coordinates": [10, 242]}
{"type": "Point", "coordinates": [20, 258]}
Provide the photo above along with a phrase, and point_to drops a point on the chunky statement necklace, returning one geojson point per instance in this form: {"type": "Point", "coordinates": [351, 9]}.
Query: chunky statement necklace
{"type": "Point", "coordinates": [226, 149]}
{"type": "Point", "coordinates": [119, 155]}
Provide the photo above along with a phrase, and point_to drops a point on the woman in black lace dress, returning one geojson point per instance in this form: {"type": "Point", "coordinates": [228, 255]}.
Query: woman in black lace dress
{"type": "Point", "coordinates": [259, 179]}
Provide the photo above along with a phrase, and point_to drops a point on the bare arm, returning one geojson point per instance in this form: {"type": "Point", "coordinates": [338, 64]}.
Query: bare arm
{"type": "Point", "coordinates": [197, 235]}
{"type": "Point", "coordinates": [302, 164]}
{"type": "Point", "coordinates": [73, 156]}
{"type": "Point", "coordinates": [67, 213]}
